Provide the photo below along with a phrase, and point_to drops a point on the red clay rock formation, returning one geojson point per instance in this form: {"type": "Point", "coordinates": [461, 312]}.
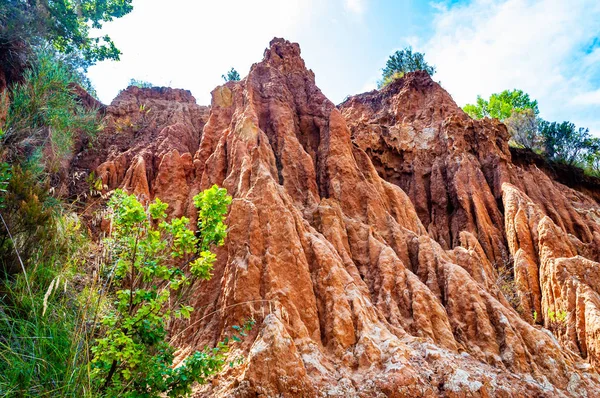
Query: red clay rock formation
{"type": "Point", "coordinates": [366, 240]}
{"type": "Point", "coordinates": [147, 144]}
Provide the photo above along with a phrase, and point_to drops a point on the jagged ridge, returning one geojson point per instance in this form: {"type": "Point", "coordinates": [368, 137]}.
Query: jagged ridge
{"type": "Point", "coordinates": [365, 240]}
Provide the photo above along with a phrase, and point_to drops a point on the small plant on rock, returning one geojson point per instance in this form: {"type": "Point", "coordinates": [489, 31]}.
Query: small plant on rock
{"type": "Point", "coordinates": [508, 286]}
{"type": "Point", "coordinates": [231, 76]}
{"type": "Point", "coordinates": [140, 83]}
{"type": "Point", "coordinates": [557, 321]}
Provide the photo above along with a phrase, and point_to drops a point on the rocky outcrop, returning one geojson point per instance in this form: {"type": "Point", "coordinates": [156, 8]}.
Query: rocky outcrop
{"type": "Point", "coordinates": [366, 240]}
{"type": "Point", "coordinates": [450, 165]}
{"type": "Point", "coordinates": [146, 145]}
{"type": "Point", "coordinates": [555, 279]}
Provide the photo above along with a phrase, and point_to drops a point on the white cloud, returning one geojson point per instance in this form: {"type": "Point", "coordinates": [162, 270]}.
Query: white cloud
{"type": "Point", "coordinates": [587, 98]}
{"type": "Point", "coordinates": [356, 6]}
{"type": "Point", "coordinates": [370, 85]}
{"type": "Point", "coordinates": [487, 46]}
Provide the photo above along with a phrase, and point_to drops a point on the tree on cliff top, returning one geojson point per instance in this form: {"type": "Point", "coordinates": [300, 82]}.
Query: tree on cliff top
{"type": "Point", "coordinates": [565, 143]}
{"type": "Point", "coordinates": [401, 62]}
{"type": "Point", "coordinates": [517, 110]}
{"type": "Point", "coordinates": [231, 76]}
{"type": "Point", "coordinates": [501, 105]}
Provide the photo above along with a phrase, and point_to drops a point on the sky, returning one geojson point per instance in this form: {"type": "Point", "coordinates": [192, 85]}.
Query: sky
{"type": "Point", "coordinates": [548, 48]}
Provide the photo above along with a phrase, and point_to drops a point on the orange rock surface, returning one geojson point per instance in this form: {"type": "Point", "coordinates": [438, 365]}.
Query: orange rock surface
{"type": "Point", "coordinates": [370, 241]}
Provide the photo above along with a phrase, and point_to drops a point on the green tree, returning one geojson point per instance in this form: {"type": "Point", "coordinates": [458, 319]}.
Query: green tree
{"type": "Point", "coordinates": [231, 76]}
{"type": "Point", "coordinates": [501, 105]}
{"type": "Point", "coordinates": [401, 62]}
{"type": "Point", "coordinates": [563, 142]}
{"type": "Point", "coordinates": [155, 264]}
{"type": "Point", "coordinates": [65, 24]}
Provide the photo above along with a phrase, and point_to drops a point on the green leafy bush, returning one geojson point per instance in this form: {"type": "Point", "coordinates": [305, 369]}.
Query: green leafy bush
{"type": "Point", "coordinates": [502, 105]}
{"type": "Point", "coordinates": [153, 266]}
{"type": "Point", "coordinates": [518, 112]}
{"type": "Point", "coordinates": [557, 322]}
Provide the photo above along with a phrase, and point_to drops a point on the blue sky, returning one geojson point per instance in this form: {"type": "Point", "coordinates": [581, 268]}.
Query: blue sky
{"type": "Point", "coordinates": [548, 48]}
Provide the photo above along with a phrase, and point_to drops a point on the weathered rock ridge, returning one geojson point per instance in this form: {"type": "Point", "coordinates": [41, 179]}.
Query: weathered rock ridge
{"type": "Point", "coordinates": [370, 241]}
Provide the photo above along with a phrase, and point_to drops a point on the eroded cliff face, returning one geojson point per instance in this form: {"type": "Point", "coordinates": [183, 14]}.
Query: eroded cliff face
{"type": "Point", "coordinates": [366, 240]}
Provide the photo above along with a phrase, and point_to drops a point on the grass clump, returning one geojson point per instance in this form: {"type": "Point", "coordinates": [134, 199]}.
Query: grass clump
{"type": "Point", "coordinates": [45, 116]}
{"type": "Point", "coordinates": [43, 345]}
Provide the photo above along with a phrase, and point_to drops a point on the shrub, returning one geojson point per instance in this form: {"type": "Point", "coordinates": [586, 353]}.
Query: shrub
{"type": "Point", "coordinates": [507, 284]}
{"type": "Point", "coordinates": [153, 266]}
{"type": "Point", "coordinates": [32, 217]}
{"type": "Point", "coordinates": [591, 160]}
{"type": "Point", "coordinates": [388, 79]}
{"type": "Point", "coordinates": [231, 76]}
{"type": "Point", "coordinates": [140, 83]}
{"type": "Point", "coordinates": [557, 322]}
{"type": "Point", "coordinates": [401, 62]}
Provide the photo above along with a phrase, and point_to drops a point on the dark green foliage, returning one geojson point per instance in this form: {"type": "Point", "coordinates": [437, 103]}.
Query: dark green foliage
{"type": "Point", "coordinates": [401, 62]}
{"type": "Point", "coordinates": [140, 83]}
{"type": "Point", "coordinates": [563, 142]}
{"type": "Point", "coordinates": [502, 105]}
{"type": "Point", "coordinates": [231, 76]}
{"type": "Point", "coordinates": [560, 142]}
{"type": "Point", "coordinates": [154, 264]}
{"type": "Point", "coordinates": [43, 117]}
{"type": "Point", "coordinates": [63, 23]}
